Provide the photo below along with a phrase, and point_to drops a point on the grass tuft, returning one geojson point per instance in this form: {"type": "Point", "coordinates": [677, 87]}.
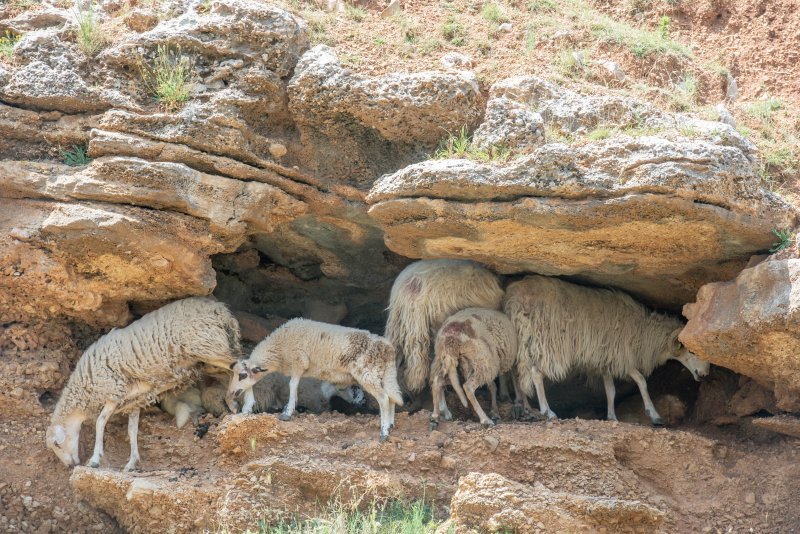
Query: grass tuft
{"type": "Point", "coordinates": [76, 157]}
{"type": "Point", "coordinates": [454, 32]}
{"type": "Point", "coordinates": [641, 42]}
{"type": "Point", "coordinates": [89, 35]}
{"type": "Point", "coordinates": [168, 77]}
{"type": "Point", "coordinates": [493, 13]}
{"type": "Point", "coordinates": [785, 238]}
{"type": "Point", "coordinates": [7, 45]}
{"type": "Point", "coordinates": [355, 13]}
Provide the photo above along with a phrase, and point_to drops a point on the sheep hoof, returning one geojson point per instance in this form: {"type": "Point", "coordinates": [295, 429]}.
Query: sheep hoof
{"type": "Point", "coordinates": [488, 423]}
{"type": "Point", "coordinates": [94, 465]}
{"type": "Point", "coordinates": [434, 425]}
{"type": "Point", "coordinates": [284, 417]}
{"type": "Point", "coordinates": [383, 438]}
{"type": "Point", "coordinates": [658, 421]}
{"type": "Point", "coordinates": [494, 416]}
{"type": "Point", "coordinates": [517, 412]}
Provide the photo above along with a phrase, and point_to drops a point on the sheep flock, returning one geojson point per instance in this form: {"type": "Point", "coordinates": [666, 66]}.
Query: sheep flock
{"type": "Point", "coordinates": [450, 323]}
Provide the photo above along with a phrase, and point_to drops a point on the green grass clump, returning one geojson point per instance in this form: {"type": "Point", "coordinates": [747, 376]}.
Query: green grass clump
{"type": "Point", "coordinates": [168, 77]}
{"type": "Point", "coordinates": [89, 35]}
{"type": "Point", "coordinates": [76, 157]}
{"type": "Point", "coordinates": [572, 63]}
{"type": "Point", "coordinates": [784, 240]}
{"type": "Point", "coordinates": [394, 518]}
{"type": "Point", "coordinates": [7, 44]}
{"type": "Point", "coordinates": [600, 133]}
{"type": "Point", "coordinates": [764, 108]}
{"type": "Point", "coordinates": [641, 42]}
{"type": "Point", "coordinates": [459, 145]}
{"type": "Point", "coordinates": [685, 94]}
{"type": "Point", "coordinates": [355, 13]}
{"type": "Point", "coordinates": [454, 32]}
{"type": "Point", "coordinates": [493, 13]}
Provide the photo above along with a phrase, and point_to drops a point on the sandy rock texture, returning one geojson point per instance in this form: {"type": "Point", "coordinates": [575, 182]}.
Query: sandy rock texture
{"type": "Point", "coordinates": [751, 325]}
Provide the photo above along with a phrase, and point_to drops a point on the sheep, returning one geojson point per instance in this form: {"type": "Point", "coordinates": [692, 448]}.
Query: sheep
{"type": "Point", "coordinates": [271, 393]}
{"type": "Point", "coordinates": [483, 344]}
{"type": "Point", "coordinates": [130, 367]}
{"type": "Point", "coordinates": [338, 354]}
{"type": "Point", "coordinates": [564, 327]}
{"type": "Point", "coordinates": [423, 295]}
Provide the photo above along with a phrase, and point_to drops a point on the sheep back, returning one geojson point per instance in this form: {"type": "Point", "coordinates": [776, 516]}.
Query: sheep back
{"type": "Point", "coordinates": [486, 338]}
{"type": "Point", "coordinates": [159, 352]}
{"type": "Point", "coordinates": [424, 294]}
{"type": "Point", "coordinates": [563, 326]}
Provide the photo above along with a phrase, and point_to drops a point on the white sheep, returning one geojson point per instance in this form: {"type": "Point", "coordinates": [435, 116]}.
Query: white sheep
{"type": "Point", "coordinates": [425, 294]}
{"type": "Point", "coordinates": [564, 327]}
{"type": "Point", "coordinates": [483, 344]}
{"type": "Point", "coordinates": [131, 367]}
{"type": "Point", "coordinates": [334, 353]}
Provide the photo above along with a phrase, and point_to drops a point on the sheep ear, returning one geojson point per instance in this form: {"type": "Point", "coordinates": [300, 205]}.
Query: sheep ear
{"type": "Point", "coordinates": [257, 370]}
{"type": "Point", "coordinates": [59, 435]}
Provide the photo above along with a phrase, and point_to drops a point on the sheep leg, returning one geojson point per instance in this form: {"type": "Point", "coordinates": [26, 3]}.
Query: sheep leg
{"type": "Point", "coordinates": [133, 437]}
{"type": "Point", "coordinates": [288, 411]}
{"type": "Point", "coordinates": [437, 387]}
{"type": "Point", "coordinates": [494, 413]}
{"type": "Point", "coordinates": [649, 408]}
{"type": "Point", "coordinates": [469, 390]}
{"type": "Point", "coordinates": [100, 429]}
{"type": "Point", "coordinates": [385, 406]}
{"type": "Point", "coordinates": [538, 382]}
{"type": "Point", "coordinates": [249, 401]}
{"type": "Point", "coordinates": [521, 406]}
{"type": "Point", "coordinates": [443, 406]}
{"type": "Point", "coordinates": [611, 393]}
{"type": "Point", "coordinates": [505, 394]}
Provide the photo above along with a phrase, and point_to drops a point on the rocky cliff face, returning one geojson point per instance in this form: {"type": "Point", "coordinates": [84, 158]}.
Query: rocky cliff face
{"type": "Point", "coordinates": [287, 177]}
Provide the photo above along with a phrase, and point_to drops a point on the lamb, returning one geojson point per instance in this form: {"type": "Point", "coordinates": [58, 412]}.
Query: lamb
{"type": "Point", "coordinates": [425, 294]}
{"type": "Point", "coordinates": [338, 354]}
{"type": "Point", "coordinates": [564, 327]}
{"type": "Point", "coordinates": [483, 344]}
{"type": "Point", "coordinates": [271, 393]}
{"type": "Point", "coordinates": [131, 367]}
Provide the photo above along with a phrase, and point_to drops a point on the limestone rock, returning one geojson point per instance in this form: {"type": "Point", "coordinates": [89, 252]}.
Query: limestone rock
{"type": "Point", "coordinates": [406, 108]}
{"type": "Point", "coordinates": [752, 326]}
{"type": "Point", "coordinates": [654, 216]}
{"type": "Point", "coordinates": [141, 20]}
{"type": "Point", "coordinates": [509, 124]}
{"type": "Point", "coordinates": [491, 502]}
{"type": "Point", "coordinates": [392, 9]}
{"type": "Point", "coordinates": [783, 424]}
{"type": "Point", "coordinates": [40, 86]}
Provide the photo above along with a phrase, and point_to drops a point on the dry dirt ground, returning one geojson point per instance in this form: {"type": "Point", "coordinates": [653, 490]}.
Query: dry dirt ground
{"type": "Point", "coordinates": [248, 468]}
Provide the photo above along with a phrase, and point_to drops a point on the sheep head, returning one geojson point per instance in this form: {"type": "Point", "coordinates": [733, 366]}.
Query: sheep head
{"type": "Point", "coordinates": [244, 377]}
{"type": "Point", "coordinates": [699, 368]}
{"type": "Point", "coordinates": [63, 440]}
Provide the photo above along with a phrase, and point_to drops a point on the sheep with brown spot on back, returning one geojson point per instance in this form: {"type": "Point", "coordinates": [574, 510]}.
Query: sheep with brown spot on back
{"type": "Point", "coordinates": [482, 344]}
{"type": "Point", "coordinates": [337, 354]}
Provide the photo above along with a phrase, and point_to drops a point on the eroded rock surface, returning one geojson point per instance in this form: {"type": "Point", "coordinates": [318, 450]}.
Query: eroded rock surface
{"type": "Point", "coordinates": [752, 326]}
{"type": "Point", "coordinates": [492, 503]}
{"type": "Point", "coordinates": [657, 214]}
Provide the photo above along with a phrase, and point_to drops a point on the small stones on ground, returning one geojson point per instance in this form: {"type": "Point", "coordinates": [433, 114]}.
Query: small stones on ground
{"type": "Point", "coordinates": [456, 60]}
{"type": "Point", "coordinates": [392, 9]}
{"type": "Point", "coordinates": [725, 115]}
{"type": "Point", "coordinates": [613, 69]}
{"type": "Point", "coordinates": [506, 27]}
{"type": "Point", "coordinates": [277, 150]}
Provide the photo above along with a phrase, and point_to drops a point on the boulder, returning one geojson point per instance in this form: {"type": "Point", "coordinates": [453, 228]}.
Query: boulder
{"type": "Point", "coordinates": [655, 216]}
{"type": "Point", "coordinates": [752, 325]}
{"type": "Point", "coordinates": [492, 503]}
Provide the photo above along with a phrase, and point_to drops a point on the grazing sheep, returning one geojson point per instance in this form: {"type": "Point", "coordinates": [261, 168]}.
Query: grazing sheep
{"type": "Point", "coordinates": [483, 344]}
{"type": "Point", "coordinates": [425, 294]}
{"type": "Point", "coordinates": [130, 367]}
{"type": "Point", "coordinates": [329, 352]}
{"type": "Point", "coordinates": [564, 327]}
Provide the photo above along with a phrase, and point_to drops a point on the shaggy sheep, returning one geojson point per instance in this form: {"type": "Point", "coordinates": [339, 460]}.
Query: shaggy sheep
{"type": "Point", "coordinates": [564, 327]}
{"type": "Point", "coordinates": [425, 294]}
{"type": "Point", "coordinates": [329, 352]}
{"type": "Point", "coordinates": [131, 367]}
{"type": "Point", "coordinates": [483, 344]}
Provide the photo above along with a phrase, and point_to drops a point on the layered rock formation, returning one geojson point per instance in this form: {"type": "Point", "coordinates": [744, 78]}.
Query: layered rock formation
{"type": "Point", "coordinates": [752, 326]}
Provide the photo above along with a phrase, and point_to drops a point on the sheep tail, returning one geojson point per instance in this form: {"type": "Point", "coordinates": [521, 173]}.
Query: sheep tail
{"type": "Point", "coordinates": [447, 351]}
{"type": "Point", "coordinates": [391, 386]}
{"type": "Point", "coordinates": [183, 413]}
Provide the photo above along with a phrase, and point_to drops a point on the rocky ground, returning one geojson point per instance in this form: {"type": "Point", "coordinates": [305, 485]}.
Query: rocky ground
{"type": "Point", "coordinates": [292, 157]}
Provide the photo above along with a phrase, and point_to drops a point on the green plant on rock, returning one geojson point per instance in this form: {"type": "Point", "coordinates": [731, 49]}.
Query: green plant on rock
{"type": "Point", "coordinates": [76, 157]}
{"type": "Point", "coordinates": [455, 146]}
{"type": "Point", "coordinates": [7, 44]}
{"type": "Point", "coordinates": [167, 79]}
{"type": "Point", "coordinates": [89, 34]}
{"type": "Point", "coordinates": [785, 238]}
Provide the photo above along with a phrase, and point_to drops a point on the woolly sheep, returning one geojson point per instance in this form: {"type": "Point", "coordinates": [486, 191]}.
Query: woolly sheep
{"type": "Point", "coordinates": [131, 367]}
{"type": "Point", "coordinates": [483, 344]}
{"type": "Point", "coordinates": [424, 294]}
{"type": "Point", "coordinates": [564, 327]}
{"type": "Point", "coordinates": [329, 352]}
